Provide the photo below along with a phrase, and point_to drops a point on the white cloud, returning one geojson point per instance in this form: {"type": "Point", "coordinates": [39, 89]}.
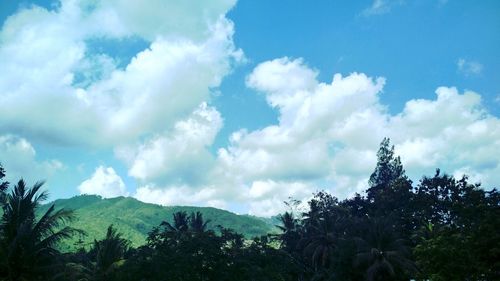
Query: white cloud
{"type": "Point", "coordinates": [268, 77]}
{"type": "Point", "coordinates": [18, 157]}
{"type": "Point", "coordinates": [153, 111]}
{"type": "Point", "coordinates": [469, 67]}
{"type": "Point", "coordinates": [266, 198]}
{"type": "Point", "coordinates": [377, 7]}
{"type": "Point", "coordinates": [153, 18]}
{"type": "Point", "coordinates": [191, 50]}
{"type": "Point", "coordinates": [315, 121]}
{"type": "Point", "coordinates": [179, 195]}
{"type": "Point", "coordinates": [104, 182]}
{"type": "Point", "coordinates": [180, 156]}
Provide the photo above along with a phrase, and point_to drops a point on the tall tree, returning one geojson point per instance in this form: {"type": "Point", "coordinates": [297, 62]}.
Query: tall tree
{"type": "Point", "coordinates": [390, 191]}
{"type": "Point", "coordinates": [388, 169]}
{"type": "Point", "coordinates": [290, 235]}
{"type": "Point", "coordinates": [27, 245]}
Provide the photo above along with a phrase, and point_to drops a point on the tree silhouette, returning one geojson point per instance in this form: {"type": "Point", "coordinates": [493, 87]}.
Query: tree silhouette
{"type": "Point", "coordinates": [290, 235]}
{"type": "Point", "coordinates": [320, 245]}
{"type": "Point", "coordinates": [180, 224]}
{"type": "Point", "coordinates": [389, 167]}
{"type": "Point", "coordinates": [28, 246]}
{"type": "Point", "coordinates": [109, 253]}
{"type": "Point", "coordinates": [196, 222]}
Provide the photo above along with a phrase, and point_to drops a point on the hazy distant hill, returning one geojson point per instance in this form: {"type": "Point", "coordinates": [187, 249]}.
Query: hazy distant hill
{"type": "Point", "coordinates": [135, 218]}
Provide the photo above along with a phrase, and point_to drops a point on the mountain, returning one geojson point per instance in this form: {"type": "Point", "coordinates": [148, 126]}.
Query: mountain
{"type": "Point", "coordinates": [135, 219]}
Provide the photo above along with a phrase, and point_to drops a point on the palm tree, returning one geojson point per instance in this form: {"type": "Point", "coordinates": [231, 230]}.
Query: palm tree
{"type": "Point", "coordinates": [181, 223]}
{"type": "Point", "coordinates": [109, 253]}
{"type": "Point", "coordinates": [27, 246]}
{"type": "Point", "coordinates": [196, 222]}
{"type": "Point", "coordinates": [320, 244]}
{"type": "Point", "coordinates": [289, 223]}
{"type": "Point", "coordinates": [382, 254]}
{"type": "Point", "coordinates": [290, 232]}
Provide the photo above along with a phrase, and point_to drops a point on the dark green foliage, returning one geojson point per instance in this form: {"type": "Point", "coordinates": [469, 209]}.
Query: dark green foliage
{"type": "Point", "coordinates": [196, 222]}
{"type": "Point", "coordinates": [290, 232]}
{"type": "Point", "coordinates": [381, 254]}
{"type": "Point", "coordinates": [462, 222]}
{"type": "Point", "coordinates": [399, 232]}
{"type": "Point", "coordinates": [389, 189]}
{"type": "Point", "coordinates": [27, 245]}
{"type": "Point", "coordinates": [388, 169]}
{"type": "Point", "coordinates": [200, 254]}
{"type": "Point", "coordinates": [108, 253]}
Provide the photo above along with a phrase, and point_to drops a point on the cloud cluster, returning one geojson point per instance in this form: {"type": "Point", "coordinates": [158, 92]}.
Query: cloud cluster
{"type": "Point", "coordinates": [180, 156]}
{"type": "Point", "coordinates": [328, 135]}
{"type": "Point", "coordinates": [45, 54]}
{"type": "Point", "coordinates": [154, 111]}
{"type": "Point", "coordinates": [56, 87]}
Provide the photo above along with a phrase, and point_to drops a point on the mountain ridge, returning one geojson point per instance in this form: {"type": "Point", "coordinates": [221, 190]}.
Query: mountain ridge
{"type": "Point", "coordinates": [134, 218]}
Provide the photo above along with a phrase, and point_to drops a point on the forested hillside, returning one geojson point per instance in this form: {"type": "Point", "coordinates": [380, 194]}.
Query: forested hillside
{"type": "Point", "coordinates": [134, 219]}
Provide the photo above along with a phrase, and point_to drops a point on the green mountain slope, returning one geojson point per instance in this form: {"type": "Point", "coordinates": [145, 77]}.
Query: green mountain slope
{"type": "Point", "coordinates": [135, 219]}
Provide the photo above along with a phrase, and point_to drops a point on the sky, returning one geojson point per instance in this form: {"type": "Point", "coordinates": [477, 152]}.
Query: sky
{"type": "Point", "coordinates": [243, 104]}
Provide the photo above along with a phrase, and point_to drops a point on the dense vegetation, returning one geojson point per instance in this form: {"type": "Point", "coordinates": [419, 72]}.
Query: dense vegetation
{"type": "Point", "coordinates": [135, 219]}
{"type": "Point", "coordinates": [439, 229]}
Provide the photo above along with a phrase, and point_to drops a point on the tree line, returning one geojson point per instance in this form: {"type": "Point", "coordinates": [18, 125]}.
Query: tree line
{"type": "Point", "coordinates": [441, 228]}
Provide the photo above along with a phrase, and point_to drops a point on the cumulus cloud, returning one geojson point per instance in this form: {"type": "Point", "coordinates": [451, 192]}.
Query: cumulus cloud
{"type": "Point", "coordinates": [18, 157]}
{"type": "Point", "coordinates": [327, 137]}
{"type": "Point", "coordinates": [178, 18]}
{"type": "Point", "coordinates": [469, 67]}
{"type": "Point", "coordinates": [104, 182]}
{"type": "Point", "coordinates": [328, 134]}
{"type": "Point", "coordinates": [48, 81]}
{"type": "Point", "coordinates": [267, 197]}
{"type": "Point", "coordinates": [179, 195]}
{"type": "Point", "coordinates": [180, 156]}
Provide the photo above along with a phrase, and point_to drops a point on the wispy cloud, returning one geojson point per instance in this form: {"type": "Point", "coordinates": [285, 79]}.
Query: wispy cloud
{"type": "Point", "coordinates": [378, 7]}
{"type": "Point", "coordinates": [469, 67]}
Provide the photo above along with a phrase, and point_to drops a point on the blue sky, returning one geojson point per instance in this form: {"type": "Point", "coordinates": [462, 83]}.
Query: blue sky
{"type": "Point", "coordinates": [231, 104]}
